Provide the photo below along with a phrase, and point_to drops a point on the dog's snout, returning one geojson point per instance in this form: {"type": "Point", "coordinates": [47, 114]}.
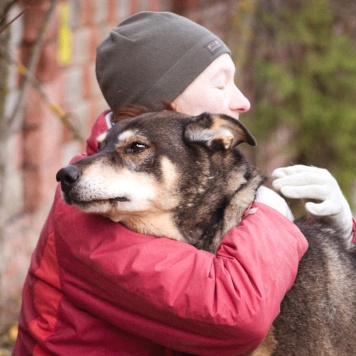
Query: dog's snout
{"type": "Point", "coordinates": [68, 175]}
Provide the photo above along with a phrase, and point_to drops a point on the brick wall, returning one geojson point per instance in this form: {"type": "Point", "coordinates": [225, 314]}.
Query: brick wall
{"type": "Point", "coordinates": [66, 73]}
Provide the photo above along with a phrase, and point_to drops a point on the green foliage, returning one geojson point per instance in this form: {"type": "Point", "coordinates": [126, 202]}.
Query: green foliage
{"type": "Point", "coordinates": [305, 76]}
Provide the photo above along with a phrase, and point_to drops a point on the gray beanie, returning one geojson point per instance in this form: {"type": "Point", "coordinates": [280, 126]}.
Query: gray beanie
{"type": "Point", "coordinates": [152, 57]}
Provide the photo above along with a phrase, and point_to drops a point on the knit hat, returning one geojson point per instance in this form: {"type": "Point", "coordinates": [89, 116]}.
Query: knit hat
{"type": "Point", "coordinates": [152, 57]}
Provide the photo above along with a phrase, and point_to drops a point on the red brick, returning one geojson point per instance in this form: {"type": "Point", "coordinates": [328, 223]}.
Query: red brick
{"type": "Point", "coordinates": [95, 38]}
{"type": "Point", "coordinates": [85, 12]}
{"type": "Point", "coordinates": [33, 114]}
{"type": "Point", "coordinates": [19, 154]}
{"type": "Point", "coordinates": [34, 148]}
{"type": "Point", "coordinates": [155, 5]}
{"type": "Point", "coordinates": [33, 21]}
{"type": "Point", "coordinates": [99, 12]}
{"type": "Point", "coordinates": [32, 181]}
{"type": "Point", "coordinates": [40, 184]}
{"type": "Point", "coordinates": [37, 110]}
{"type": "Point", "coordinates": [67, 133]}
{"type": "Point", "coordinates": [42, 128]}
{"type": "Point", "coordinates": [93, 114]}
{"type": "Point", "coordinates": [17, 56]}
{"type": "Point", "coordinates": [86, 82]}
{"type": "Point", "coordinates": [135, 7]}
{"type": "Point", "coordinates": [48, 67]}
{"type": "Point", "coordinates": [56, 90]}
{"type": "Point", "coordinates": [111, 12]}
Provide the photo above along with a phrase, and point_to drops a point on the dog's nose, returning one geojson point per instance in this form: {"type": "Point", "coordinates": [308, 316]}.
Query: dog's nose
{"type": "Point", "coordinates": [68, 175]}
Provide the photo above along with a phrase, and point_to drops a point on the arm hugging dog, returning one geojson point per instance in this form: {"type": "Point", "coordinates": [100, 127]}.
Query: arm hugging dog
{"type": "Point", "coordinates": [168, 174]}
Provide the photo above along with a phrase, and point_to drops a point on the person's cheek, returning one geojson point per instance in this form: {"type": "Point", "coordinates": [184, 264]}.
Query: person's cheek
{"type": "Point", "coordinates": [219, 104]}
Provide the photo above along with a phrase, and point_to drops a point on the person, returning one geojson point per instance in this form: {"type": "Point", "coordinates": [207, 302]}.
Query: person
{"type": "Point", "coordinates": [94, 287]}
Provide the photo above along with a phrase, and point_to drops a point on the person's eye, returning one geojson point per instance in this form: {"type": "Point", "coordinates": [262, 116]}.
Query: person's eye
{"type": "Point", "coordinates": [221, 86]}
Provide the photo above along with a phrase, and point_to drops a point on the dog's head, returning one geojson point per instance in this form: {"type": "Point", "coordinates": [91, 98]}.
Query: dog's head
{"type": "Point", "coordinates": [150, 166]}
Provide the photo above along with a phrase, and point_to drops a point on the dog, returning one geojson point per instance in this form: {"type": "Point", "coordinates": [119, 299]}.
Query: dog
{"type": "Point", "coordinates": [169, 174]}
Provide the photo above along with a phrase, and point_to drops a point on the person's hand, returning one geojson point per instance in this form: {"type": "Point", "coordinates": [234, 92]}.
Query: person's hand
{"type": "Point", "coordinates": [303, 182]}
{"type": "Point", "coordinates": [272, 199]}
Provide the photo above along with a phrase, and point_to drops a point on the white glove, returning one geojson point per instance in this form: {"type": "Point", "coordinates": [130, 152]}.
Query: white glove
{"type": "Point", "coordinates": [272, 199]}
{"type": "Point", "coordinates": [303, 182]}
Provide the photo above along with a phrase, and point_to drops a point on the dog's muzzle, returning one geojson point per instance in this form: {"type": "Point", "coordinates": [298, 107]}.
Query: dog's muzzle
{"type": "Point", "coordinates": [69, 178]}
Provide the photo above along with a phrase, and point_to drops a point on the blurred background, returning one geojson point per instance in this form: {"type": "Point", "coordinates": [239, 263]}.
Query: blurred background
{"type": "Point", "coordinates": [295, 59]}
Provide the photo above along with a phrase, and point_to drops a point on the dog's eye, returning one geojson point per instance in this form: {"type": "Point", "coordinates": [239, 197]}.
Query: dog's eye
{"type": "Point", "coordinates": [135, 147]}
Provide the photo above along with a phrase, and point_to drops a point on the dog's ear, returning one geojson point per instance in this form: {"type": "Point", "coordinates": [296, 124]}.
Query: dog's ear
{"type": "Point", "coordinates": [100, 139]}
{"type": "Point", "coordinates": [218, 131]}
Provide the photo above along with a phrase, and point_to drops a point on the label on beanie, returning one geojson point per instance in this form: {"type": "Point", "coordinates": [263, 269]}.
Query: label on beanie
{"type": "Point", "coordinates": [213, 46]}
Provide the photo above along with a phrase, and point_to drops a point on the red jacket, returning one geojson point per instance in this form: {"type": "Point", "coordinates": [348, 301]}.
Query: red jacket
{"type": "Point", "coordinates": [95, 287]}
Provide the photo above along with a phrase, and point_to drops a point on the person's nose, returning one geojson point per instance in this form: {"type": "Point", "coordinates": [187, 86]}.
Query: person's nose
{"type": "Point", "coordinates": [239, 102]}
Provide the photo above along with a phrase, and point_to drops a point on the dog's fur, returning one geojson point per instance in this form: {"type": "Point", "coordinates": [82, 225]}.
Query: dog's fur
{"type": "Point", "coordinates": [168, 174]}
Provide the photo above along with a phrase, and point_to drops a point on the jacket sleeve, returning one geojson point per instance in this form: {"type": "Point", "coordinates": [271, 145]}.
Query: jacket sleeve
{"type": "Point", "coordinates": [173, 294]}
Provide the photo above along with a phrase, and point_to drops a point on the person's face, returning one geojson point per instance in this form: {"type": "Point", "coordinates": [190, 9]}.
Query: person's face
{"type": "Point", "coordinates": [213, 91]}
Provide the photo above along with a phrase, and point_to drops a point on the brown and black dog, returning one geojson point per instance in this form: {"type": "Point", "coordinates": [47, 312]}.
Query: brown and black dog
{"type": "Point", "coordinates": [169, 174]}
